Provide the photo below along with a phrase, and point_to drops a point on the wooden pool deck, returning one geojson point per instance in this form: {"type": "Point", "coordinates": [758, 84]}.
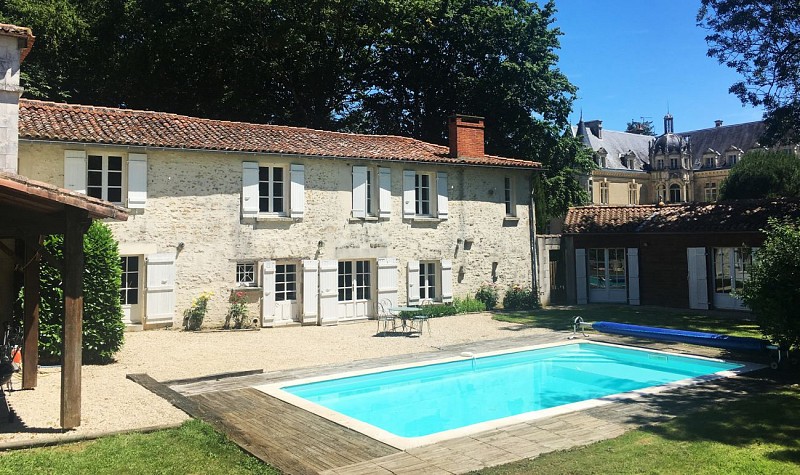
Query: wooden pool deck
{"type": "Point", "coordinates": [298, 442]}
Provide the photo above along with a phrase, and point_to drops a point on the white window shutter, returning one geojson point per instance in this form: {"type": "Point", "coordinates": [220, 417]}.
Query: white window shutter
{"type": "Point", "coordinates": [310, 314]}
{"type": "Point", "coordinates": [580, 276]}
{"type": "Point", "coordinates": [385, 193]}
{"type": "Point", "coordinates": [413, 282]}
{"type": "Point", "coordinates": [137, 180]}
{"type": "Point", "coordinates": [409, 196]}
{"type": "Point", "coordinates": [75, 170]}
{"type": "Point", "coordinates": [328, 292]}
{"type": "Point", "coordinates": [297, 193]}
{"type": "Point", "coordinates": [249, 189]}
{"type": "Point", "coordinates": [441, 192]}
{"type": "Point", "coordinates": [447, 280]}
{"type": "Point", "coordinates": [633, 276]}
{"type": "Point", "coordinates": [387, 280]}
{"type": "Point", "coordinates": [698, 279]}
{"type": "Point", "coordinates": [160, 296]}
{"type": "Point", "coordinates": [267, 293]}
{"type": "Point", "coordinates": [359, 192]}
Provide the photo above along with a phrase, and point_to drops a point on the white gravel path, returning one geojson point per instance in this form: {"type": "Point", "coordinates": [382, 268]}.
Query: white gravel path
{"type": "Point", "coordinates": [111, 402]}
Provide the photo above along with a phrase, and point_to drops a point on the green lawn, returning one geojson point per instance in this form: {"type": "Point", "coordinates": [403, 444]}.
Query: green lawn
{"type": "Point", "coordinates": [193, 448]}
{"type": "Point", "coordinates": [560, 318]}
{"type": "Point", "coordinates": [758, 435]}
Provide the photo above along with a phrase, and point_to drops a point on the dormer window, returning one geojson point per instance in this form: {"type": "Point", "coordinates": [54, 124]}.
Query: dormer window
{"type": "Point", "coordinates": [732, 159]}
{"type": "Point", "coordinates": [709, 162]}
{"type": "Point", "coordinates": [660, 164]}
{"type": "Point", "coordinates": [601, 158]}
{"type": "Point", "coordinates": [673, 162]}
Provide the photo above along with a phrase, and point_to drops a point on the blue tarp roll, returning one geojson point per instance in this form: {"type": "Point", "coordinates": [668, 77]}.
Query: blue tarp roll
{"type": "Point", "coordinates": [683, 336]}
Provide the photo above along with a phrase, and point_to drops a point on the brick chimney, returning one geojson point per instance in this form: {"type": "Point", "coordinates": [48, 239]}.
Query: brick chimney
{"type": "Point", "coordinates": [15, 43]}
{"type": "Point", "coordinates": [466, 136]}
{"type": "Point", "coordinates": [717, 123]}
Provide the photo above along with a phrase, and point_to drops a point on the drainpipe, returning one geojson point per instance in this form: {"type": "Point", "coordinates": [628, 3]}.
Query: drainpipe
{"type": "Point", "coordinates": [534, 244]}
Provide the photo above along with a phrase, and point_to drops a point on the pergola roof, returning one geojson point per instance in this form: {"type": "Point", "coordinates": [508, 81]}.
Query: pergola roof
{"type": "Point", "coordinates": [33, 207]}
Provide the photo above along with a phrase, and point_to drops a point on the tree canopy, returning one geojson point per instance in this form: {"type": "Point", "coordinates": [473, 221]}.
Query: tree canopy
{"type": "Point", "coordinates": [371, 66]}
{"type": "Point", "coordinates": [760, 39]}
{"type": "Point", "coordinates": [763, 174]}
{"type": "Point", "coordinates": [643, 127]}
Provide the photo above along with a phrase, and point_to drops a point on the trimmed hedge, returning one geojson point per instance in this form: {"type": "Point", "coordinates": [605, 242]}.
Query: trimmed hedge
{"type": "Point", "coordinates": [103, 330]}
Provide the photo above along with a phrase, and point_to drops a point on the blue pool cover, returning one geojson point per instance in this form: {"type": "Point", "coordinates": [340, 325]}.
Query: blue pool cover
{"type": "Point", "coordinates": [683, 336]}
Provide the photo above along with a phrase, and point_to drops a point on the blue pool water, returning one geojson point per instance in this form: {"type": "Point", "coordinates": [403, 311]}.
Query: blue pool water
{"type": "Point", "coordinates": [424, 400]}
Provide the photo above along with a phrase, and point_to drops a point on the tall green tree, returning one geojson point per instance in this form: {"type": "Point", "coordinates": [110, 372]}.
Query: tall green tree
{"type": "Point", "coordinates": [643, 127]}
{"type": "Point", "coordinates": [763, 174]}
{"type": "Point", "coordinates": [760, 39]}
{"type": "Point", "coordinates": [772, 291]}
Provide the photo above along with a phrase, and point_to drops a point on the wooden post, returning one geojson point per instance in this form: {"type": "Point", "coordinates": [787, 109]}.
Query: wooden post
{"type": "Point", "coordinates": [71, 357]}
{"type": "Point", "coordinates": [30, 324]}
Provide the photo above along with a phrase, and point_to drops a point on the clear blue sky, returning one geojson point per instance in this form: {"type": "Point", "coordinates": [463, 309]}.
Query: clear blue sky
{"type": "Point", "coordinates": [632, 59]}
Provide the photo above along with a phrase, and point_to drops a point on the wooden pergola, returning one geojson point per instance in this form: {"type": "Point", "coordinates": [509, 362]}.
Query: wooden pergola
{"type": "Point", "coordinates": [29, 210]}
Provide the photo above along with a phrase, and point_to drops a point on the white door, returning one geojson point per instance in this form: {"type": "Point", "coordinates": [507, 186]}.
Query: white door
{"type": "Point", "coordinates": [354, 289]}
{"type": "Point", "coordinates": [286, 284]}
{"type": "Point", "coordinates": [130, 297]}
{"type": "Point", "coordinates": [606, 275]}
{"type": "Point", "coordinates": [160, 288]}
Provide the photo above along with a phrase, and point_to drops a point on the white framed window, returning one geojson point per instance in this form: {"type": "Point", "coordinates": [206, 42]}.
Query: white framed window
{"type": "Point", "coordinates": [425, 195]}
{"type": "Point", "coordinates": [354, 281]}
{"type": "Point", "coordinates": [372, 192]}
{"type": "Point", "coordinates": [606, 268]}
{"type": "Point", "coordinates": [285, 282]}
{"type": "Point", "coordinates": [246, 274]}
{"type": "Point", "coordinates": [732, 267]}
{"type": "Point", "coordinates": [271, 190]}
{"type": "Point", "coordinates": [633, 193]}
{"type": "Point", "coordinates": [710, 162]}
{"type": "Point", "coordinates": [604, 193]}
{"type": "Point", "coordinates": [104, 177]}
{"type": "Point", "coordinates": [590, 189]}
{"type": "Point", "coordinates": [674, 193]}
{"type": "Point", "coordinates": [508, 197]}
{"type": "Point", "coordinates": [710, 190]}
{"type": "Point", "coordinates": [427, 280]}
{"type": "Point", "coordinates": [129, 281]}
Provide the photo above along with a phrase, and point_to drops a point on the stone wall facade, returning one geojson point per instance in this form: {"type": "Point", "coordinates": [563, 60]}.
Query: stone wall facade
{"type": "Point", "coordinates": [193, 213]}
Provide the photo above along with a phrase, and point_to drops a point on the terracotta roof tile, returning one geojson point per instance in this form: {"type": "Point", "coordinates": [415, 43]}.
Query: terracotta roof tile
{"type": "Point", "coordinates": [40, 120]}
{"type": "Point", "coordinates": [726, 216]}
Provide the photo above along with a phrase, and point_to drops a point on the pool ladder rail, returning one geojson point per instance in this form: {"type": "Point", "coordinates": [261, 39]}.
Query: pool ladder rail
{"type": "Point", "coordinates": [579, 323]}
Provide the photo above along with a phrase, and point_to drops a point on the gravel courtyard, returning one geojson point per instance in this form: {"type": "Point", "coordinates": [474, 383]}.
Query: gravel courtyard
{"type": "Point", "coordinates": [113, 403]}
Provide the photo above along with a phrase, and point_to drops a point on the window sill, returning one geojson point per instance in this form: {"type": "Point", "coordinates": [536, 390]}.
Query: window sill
{"type": "Point", "coordinates": [242, 288]}
{"type": "Point", "coordinates": [274, 219]}
{"type": "Point", "coordinates": [511, 219]}
{"type": "Point", "coordinates": [425, 219]}
{"type": "Point", "coordinates": [368, 219]}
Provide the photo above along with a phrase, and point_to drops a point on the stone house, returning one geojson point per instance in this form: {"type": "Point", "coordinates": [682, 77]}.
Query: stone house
{"type": "Point", "coordinates": [313, 227]}
{"type": "Point", "coordinates": [671, 168]}
{"type": "Point", "coordinates": [689, 255]}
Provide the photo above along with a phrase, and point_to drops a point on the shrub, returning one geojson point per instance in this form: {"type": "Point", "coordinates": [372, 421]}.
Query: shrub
{"type": "Point", "coordinates": [432, 311]}
{"type": "Point", "coordinates": [237, 313]}
{"type": "Point", "coordinates": [468, 304]}
{"type": "Point", "coordinates": [772, 292]}
{"type": "Point", "coordinates": [194, 315]}
{"type": "Point", "coordinates": [488, 294]}
{"type": "Point", "coordinates": [103, 330]}
{"type": "Point", "coordinates": [519, 298]}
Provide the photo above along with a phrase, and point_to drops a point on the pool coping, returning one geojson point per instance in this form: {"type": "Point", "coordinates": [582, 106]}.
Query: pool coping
{"type": "Point", "coordinates": [405, 443]}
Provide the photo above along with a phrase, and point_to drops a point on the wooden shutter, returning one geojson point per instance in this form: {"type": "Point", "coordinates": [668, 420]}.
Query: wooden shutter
{"type": "Point", "coordinates": [698, 279]}
{"type": "Point", "coordinates": [580, 276]}
{"type": "Point", "coordinates": [441, 192]}
{"type": "Point", "coordinates": [447, 280]}
{"type": "Point", "coordinates": [267, 293]}
{"type": "Point", "coordinates": [633, 276]}
{"type": "Point", "coordinates": [297, 193]}
{"type": "Point", "coordinates": [328, 292]}
{"type": "Point", "coordinates": [413, 282]}
{"type": "Point", "coordinates": [385, 193]}
{"type": "Point", "coordinates": [137, 180]}
{"type": "Point", "coordinates": [160, 299]}
{"type": "Point", "coordinates": [310, 313]}
{"type": "Point", "coordinates": [75, 170]}
{"type": "Point", "coordinates": [409, 195]}
{"type": "Point", "coordinates": [249, 189]}
{"type": "Point", "coordinates": [387, 280]}
{"type": "Point", "coordinates": [359, 192]}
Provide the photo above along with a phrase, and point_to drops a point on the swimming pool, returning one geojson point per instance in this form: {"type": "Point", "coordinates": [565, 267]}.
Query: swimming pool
{"type": "Point", "coordinates": [416, 405]}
